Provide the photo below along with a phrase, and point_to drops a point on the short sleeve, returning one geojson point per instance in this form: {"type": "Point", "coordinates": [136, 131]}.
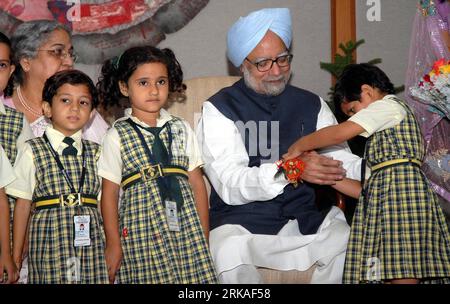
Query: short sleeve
{"type": "Point", "coordinates": [192, 148]}
{"type": "Point", "coordinates": [110, 162]}
{"type": "Point", "coordinates": [6, 170]}
{"type": "Point", "coordinates": [24, 169]}
{"type": "Point", "coordinates": [378, 116]}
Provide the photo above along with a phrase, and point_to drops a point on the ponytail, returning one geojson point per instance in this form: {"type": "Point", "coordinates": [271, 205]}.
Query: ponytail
{"type": "Point", "coordinates": [108, 85]}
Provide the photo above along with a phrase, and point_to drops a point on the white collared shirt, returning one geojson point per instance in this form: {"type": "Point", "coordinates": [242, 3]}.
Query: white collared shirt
{"type": "Point", "coordinates": [110, 163]}
{"type": "Point", "coordinates": [6, 170]}
{"type": "Point", "coordinates": [379, 115]}
{"type": "Point", "coordinates": [24, 168]}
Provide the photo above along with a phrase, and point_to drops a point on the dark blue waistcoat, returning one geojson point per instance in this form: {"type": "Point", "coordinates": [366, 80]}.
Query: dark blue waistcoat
{"type": "Point", "coordinates": [296, 112]}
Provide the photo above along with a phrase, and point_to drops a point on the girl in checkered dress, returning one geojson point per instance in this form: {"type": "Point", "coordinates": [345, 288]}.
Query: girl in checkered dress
{"type": "Point", "coordinates": [58, 174]}
{"type": "Point", "coordinates": [8, 270]}
{"type": "Point", "coordinates": [14, 130]}
{"type": "Point", "coordinates": [159, 232]}
{"type": "Point", "coordinates": [398, 234]}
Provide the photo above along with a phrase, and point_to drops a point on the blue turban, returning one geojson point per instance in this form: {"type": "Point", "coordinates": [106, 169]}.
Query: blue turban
{"type": "Point", "coordinates": [248, 31]}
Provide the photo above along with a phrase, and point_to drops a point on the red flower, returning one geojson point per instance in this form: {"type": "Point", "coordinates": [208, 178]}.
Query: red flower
{"type": "Point", "coordinates": [437, 65]}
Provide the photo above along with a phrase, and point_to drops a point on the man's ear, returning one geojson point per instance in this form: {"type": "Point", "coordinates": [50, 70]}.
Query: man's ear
{"type": "Point", "coordinates": [123, 88]}
{"type": "Point", "coordinates": [47, 108]}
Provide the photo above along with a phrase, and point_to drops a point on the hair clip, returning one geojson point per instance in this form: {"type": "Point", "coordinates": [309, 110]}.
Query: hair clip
{"type": "Point", "coordinates": [116, 61]}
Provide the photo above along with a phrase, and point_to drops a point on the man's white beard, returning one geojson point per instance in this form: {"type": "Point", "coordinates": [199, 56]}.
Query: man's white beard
{"type": "Point", "coordinates": [266, 88]}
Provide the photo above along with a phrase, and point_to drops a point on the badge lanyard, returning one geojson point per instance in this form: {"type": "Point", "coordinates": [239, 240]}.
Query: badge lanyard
{"type": "Point", "coordinates": [63, 170]}
{"type": "Point", "coordinates": [136, 127]}
{"type": "Point", "coordinates": [171, 206]}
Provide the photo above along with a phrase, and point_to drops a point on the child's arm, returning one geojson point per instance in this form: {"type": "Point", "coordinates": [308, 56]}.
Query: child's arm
{"type": "Point", "coordinates": [349, 187]}
{"type": "Point", "coordinates": [6, 262]}
{"type": "Point", "coordinates": [20, 223]}
{"type": "Point", "coordinates": [325, 137]}
{"type": "Point", "coordinates": [109, 203]}
{"type": "Point", "coordinates": [201, 198]}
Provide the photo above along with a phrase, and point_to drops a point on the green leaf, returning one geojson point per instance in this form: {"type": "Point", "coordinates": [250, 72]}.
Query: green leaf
{"type": "Point", "coordinates": [341, 61]}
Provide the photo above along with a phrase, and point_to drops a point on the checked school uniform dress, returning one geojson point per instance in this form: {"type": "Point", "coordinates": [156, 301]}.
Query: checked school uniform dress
{"type": "Point", "coordinates": [14, 131]}
{"type": "Point", "coordinates": [53, 258]}
{"type": "Point", "coordinates": [398, 229]}
{"type": "Point", "coordinates": [151, 252]}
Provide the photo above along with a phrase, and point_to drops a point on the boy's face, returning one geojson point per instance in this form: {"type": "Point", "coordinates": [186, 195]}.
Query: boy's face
{"type": "Point", "coordinates": [6, 69]}
{"type": "Point", "coordinates": [70, 109]}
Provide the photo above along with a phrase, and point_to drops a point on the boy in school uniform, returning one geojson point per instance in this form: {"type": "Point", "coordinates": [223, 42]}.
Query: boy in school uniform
{"type": "Point", "coordinates": [58, 173]}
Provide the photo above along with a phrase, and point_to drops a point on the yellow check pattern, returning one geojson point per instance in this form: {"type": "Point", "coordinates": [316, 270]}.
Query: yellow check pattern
{"type": "Point", "coordinates": [401, 233]}
{"type": "Point", "coordinates": [11, 125]}
{"type": "Point", "coordinates": [51, 247]}
{"type": "Point", "coordinates": [151, 253]}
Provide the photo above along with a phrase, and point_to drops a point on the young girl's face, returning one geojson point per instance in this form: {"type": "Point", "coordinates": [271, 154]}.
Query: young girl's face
{"type": "Point", "coordinates": [368, 96]}
{"type": "Point", "coordinates": [147, 89]}
{"type": "Point", "coordinates": [6, 69]}
{"type": "Point", "coordinates": [70, 109]}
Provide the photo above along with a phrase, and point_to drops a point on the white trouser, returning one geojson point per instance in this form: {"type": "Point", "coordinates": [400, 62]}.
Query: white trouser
{"type": "Point", "coordinates": [237, 252]}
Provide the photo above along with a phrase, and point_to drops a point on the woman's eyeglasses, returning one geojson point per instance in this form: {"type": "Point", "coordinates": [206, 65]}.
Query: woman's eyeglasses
{"type": "Point", "coordinates": [62, 54]}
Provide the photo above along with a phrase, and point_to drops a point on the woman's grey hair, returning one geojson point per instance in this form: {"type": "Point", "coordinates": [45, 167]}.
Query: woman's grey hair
{"type": "Point", "coordinates": [28, 38]}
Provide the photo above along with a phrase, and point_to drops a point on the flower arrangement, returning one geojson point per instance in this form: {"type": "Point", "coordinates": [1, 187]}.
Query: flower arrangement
{"type": "Point", "coordinates": [434, 88]}
{"type": "Point", "coordinates": [292, 169]}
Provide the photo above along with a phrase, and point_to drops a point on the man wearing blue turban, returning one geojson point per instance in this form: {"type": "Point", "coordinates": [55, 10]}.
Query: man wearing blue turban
{"type": "Point", "coordinates": [259, 220]}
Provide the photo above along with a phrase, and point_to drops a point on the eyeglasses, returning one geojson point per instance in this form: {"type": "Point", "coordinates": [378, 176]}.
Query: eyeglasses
{"type": "Point", "coordinates": [266, 64]}
{"type": "Point", "coordinates": [62, 54]}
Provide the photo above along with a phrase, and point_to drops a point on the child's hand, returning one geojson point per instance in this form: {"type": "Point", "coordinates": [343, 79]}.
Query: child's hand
{"type": "Point", "coordinates": [292, 153]}
{"type": "Point", "coordinates": [113, 256]}
{"type": "Point", "coordinates": [7, 264]}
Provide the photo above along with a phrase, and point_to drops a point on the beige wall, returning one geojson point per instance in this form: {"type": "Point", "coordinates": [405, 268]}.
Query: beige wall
{"type": "Point", "coordinates": [389, 38]}
{"type": "Point", "coordinates": [200, 45]}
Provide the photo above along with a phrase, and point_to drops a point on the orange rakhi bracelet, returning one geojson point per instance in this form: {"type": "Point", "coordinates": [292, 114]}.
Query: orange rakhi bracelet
{"type": "Point", "coordinates": [292, 169]}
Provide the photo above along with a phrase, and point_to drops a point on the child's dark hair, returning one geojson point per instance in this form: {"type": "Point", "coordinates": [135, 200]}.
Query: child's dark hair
{"type": "Point", "coordinates": [9, 88]}
{"type": "Point", "coordinates": [73, 77]}
{"type": "Point", "coordinates": [4, 39]}
{"type": "Point", "coordinates": [348, 86]}
{"type": "Point", "coordinates": [122, 67]}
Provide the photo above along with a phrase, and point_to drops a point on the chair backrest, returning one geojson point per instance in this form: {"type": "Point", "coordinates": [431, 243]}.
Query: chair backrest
{"type": "Point", "coordinates": [198, 91]}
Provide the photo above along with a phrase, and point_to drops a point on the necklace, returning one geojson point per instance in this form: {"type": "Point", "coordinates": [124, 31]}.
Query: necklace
{"type": "Point", "coordinates": [25, 104]}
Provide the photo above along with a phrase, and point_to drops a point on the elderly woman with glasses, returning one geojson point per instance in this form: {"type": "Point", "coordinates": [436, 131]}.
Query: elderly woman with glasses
{"type": "Point", "coordinates": [40, 49]}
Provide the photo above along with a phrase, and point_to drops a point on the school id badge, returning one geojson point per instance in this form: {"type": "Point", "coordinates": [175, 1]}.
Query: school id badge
{"type": "Point", "coordinates": [82, 231]}
{"type": "Point", "coordinates": [172, 216]}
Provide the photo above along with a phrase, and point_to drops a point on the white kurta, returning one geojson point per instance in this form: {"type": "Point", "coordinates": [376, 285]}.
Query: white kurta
{"type": "Point", "coordinates": [235, 250]}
